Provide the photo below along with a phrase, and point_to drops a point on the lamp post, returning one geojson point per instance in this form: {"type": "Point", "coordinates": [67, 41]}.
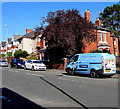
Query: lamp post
{"type": "Point", "coordinates": [6, 35]}
{"type": "Point", "coordinates": [6, 29]}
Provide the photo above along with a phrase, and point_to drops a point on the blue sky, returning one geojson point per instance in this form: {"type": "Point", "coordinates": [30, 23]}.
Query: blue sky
{"type": "Point", "coordinates": [20, 16]}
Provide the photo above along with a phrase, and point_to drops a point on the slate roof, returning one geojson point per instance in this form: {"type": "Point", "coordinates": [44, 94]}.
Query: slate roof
{"type": "Point", "coordinates": [16, 37]}
{"type": "Point", "coordinates": [29, 35]}
{"type": "Point", "coordinates": [9, 40]}
{"type": "Point", "coordinates": [3, 44]}
{"type": "Point", "coordinates": [101, 28]}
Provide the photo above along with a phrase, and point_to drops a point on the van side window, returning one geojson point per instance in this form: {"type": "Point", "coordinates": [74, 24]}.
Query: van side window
{"type": "Point", "coordinates": [74, 59]}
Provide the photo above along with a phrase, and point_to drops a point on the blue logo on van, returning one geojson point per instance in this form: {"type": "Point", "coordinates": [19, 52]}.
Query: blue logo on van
{"type": "Point", "coordinates": [83, 66]}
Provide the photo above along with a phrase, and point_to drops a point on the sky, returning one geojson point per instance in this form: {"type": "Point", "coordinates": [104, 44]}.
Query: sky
{"type": "Point", "coordinates": [19, 16]}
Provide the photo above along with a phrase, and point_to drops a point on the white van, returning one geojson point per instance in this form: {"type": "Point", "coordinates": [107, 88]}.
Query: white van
{"type": "Point", "coordinates": [94, 64]}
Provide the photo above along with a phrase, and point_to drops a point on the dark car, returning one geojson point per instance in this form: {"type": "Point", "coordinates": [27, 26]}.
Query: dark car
{"type": "Point", "coordinates": [19, 63]}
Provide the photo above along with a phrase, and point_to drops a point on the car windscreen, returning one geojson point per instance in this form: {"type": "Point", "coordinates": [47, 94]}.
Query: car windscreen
{"type": "Point", "coordinates": [19, 60]}
{"type": "Point", "coordinates": [3, 61]}
{"type": "Point", "coordinates": [37, 62]}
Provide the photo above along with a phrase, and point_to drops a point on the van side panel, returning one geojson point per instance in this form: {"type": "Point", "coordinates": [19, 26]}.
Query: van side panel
{"type": "Point", "coordinates": [102, 63]}
{"type": "Point", "coordinates": [82, 68]}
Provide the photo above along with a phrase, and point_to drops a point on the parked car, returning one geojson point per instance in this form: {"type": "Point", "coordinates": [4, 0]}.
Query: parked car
{"type": "Point", "coordinates": [94, 64]}
{"type": "Point", "coordinates": [19, 63]}
{"type": "Point", "coordinates": [3, 63]}
{"type": "Point", "coordinates": [34, 65]}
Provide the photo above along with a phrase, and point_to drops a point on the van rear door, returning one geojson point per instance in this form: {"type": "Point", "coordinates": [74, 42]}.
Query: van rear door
{"type": "Point", "coordinates": [109, 64]}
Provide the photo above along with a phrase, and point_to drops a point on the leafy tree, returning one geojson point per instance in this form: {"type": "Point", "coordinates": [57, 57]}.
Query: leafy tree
{"type": "Point", "coordinates": [21, 53]}
{"type": "Point", "coordinates": [2, 55]}
{"type": "Point", "coordinates": [110, 18]}
{"type": "Point", "coordinates": [9, 54]}
{"type": "Point", "coordinates": [65, 32]}
{"type": "Point", "coordinates": [96, 51]}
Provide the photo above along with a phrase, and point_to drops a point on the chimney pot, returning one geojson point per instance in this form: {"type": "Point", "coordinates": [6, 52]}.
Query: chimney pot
{"type": "Point", "coordinates": [28, 31]}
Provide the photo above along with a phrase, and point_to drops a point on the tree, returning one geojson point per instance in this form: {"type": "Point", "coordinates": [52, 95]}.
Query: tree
{"type": "Point", "coordinates": [2, 55]}
{"type": "Point", "coordinates": [9, 54]}
{"type": "Point", "coordinates": [65, 32]}
{"type": "Point", "coordinates": [110, 18]}
{"type": "Point", "coordinates": [21, 53]}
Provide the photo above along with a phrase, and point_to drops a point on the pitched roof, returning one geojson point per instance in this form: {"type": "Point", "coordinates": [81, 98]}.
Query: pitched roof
{"type": "Point", "coordinates": [3, 44]}
{"type": "Point", "coordinates": [16, 37]}
{"type": "Point", "coordinates": [9, 40]}
{"type": "Point", "coordinates": [29, 35]}
{"type": "Point", "coordinates": [101, 28]}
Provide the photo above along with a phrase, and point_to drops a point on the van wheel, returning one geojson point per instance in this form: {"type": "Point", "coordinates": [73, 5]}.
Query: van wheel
{"type": "Point", "coordinates": [68, 71]}
{"type": "Point", "coordinates": [93, 74]}
{"type": "Point", "coordinates": [72, 72]}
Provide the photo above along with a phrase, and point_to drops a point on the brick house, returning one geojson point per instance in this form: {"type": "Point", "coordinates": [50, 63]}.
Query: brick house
{"type": "Point", "coordinates": [3, 48]}
{"type": "Point", "coordinates": [104, 42]}
{"type": "Point", "coordinates": [39, 45]}
{"type": "Point", "coordinates": [26, 43]}
{"type": "Point", "coordinates": [15, 43]}
{"type": "Point", "coordinates": [32, 43]}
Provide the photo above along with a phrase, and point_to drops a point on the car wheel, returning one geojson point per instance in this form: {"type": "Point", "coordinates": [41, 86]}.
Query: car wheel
{"type": "Point", "coordinates": [93, 74]}
{"type": "Point", "coordinates": [18, 66]}
{"type": "Point", "coordinates": [25, 67]}
{"type": "Point", "coordinates": [33, 68]}
{"type": "Point", "coordinates": [11, 66]}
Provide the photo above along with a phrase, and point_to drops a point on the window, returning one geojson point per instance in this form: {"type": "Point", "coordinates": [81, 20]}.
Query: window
{"type": "Point", "coordinates": [74, 59]}
{"type": "Point", "coordinates": [37, 62]}
{"type": "Point", "coordinates": [29, 61]}
{"type": "Point", "coordinates": [104, 35]}
{"type": "Point", "coordinates": [100, 36]}
{"type": "Point", "coordinates": [115, 42]}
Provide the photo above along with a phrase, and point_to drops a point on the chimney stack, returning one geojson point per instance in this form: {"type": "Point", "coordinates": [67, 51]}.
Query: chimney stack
{"type": "Point", "coordinates": [28, 31]}
{"type": "Point", "coordinates": [87, 15]}
{"type": "Point", "coordinates": [98, 22]}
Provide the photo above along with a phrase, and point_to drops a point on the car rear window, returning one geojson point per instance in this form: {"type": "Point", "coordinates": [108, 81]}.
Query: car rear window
{"type": "Point", "coordinates": [37, 62]}
{"type": "Point", "coordinates": [20, 60]}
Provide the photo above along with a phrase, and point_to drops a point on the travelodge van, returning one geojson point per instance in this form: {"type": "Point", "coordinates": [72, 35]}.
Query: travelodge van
{"type": "Point", "coordinates": [94, 64]}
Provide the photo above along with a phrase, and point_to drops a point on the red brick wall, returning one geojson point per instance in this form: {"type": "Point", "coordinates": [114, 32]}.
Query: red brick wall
{"type": "Point", "coordinates": [28, 30]}
{"type": "Point", "coordinates": [89, 46]}
{"type": "Point", "coordinates": [42, 44]}
{"type": "Point", "coordinates": [87, 15]}
{"type": "Point", "coordinates": [9, 48]}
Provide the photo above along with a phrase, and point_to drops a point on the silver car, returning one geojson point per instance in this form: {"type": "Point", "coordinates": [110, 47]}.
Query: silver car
{"type": "Point", "coordinates": [3, 63]}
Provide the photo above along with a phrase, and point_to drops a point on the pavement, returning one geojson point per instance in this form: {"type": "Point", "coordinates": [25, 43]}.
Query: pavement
{"type": "Point", "coordinates": [63, 71]}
